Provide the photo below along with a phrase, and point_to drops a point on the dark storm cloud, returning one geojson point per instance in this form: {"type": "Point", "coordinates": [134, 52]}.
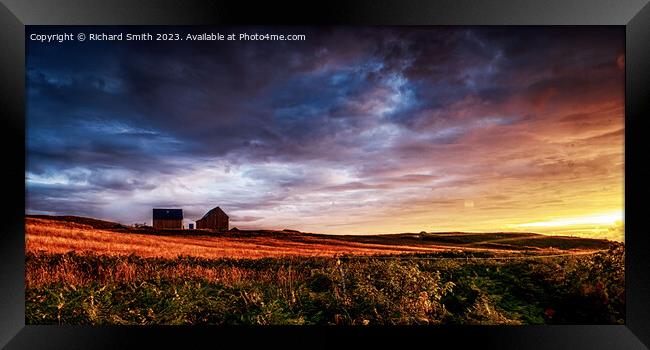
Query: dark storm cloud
{"type": "Point", "coordinates": [285, 97]}
{"type": "Point", "coordinates": [56, 199]}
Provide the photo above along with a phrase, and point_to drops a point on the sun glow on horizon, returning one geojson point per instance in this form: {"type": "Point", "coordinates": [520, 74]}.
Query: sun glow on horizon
{"type": "Point", "coordinates": [610, 218]}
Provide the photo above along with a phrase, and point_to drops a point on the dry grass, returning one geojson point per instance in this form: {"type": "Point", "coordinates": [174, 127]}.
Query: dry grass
{"type": "Point", "coordinates": [62, 237]}
{"type": "Point", "coordinates": [57, 236]}
{"type": "Point", "coordinates": [80, 274]}
{"type": "Point", "coordinates": [69, 271]}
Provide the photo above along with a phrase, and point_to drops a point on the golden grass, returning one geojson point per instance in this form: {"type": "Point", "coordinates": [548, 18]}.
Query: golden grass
{"type": "Point", "coordinates": [55, 236]}
{"type": "Point", "coordinates": [69, 272]}
{"type": "Point", "coordinates": [61, 237]}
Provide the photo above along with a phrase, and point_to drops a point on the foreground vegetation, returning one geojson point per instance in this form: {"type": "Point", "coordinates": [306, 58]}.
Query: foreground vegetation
{"type": "Point", "coordinates": [434, 288]}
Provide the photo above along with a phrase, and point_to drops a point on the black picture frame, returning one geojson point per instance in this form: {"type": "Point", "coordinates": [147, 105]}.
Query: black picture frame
{"type": "Point", "coordinates": [633, 14]}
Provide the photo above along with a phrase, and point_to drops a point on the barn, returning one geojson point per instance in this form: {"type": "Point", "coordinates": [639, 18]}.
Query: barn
{"type": "Point", "coordinates": [215, 219]}
{"type": "Point", "coordinates": [168, 219]}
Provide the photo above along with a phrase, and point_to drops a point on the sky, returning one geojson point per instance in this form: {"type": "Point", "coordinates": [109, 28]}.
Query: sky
{"type": "Point", "coordinates": [355, 130]}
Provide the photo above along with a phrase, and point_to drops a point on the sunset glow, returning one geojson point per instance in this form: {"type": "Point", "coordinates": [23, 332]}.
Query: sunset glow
{"type": "Point", "coordinates": [606, 219]}
{"type": "Point", "coordinates": [353, 131]}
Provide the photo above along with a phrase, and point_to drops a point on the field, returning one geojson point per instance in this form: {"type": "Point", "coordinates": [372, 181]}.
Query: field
{"type": "Point", "coordinates": [86, 271]}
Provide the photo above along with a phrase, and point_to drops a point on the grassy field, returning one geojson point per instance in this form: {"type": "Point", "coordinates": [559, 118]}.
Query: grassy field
{"type": "Point", "coordinates": [87, 272]}
{"type": "Point", "coordinates": [100, 237]}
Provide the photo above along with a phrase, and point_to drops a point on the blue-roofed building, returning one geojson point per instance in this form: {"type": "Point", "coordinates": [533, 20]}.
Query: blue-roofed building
{"type": "Point", "coordinates": [168, 219]}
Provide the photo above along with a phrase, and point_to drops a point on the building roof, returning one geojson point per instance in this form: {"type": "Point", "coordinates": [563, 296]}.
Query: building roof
{"type": "Point", "coordinates": [168, 214]}
{"type": "Point", "coordinates": [215, 209]}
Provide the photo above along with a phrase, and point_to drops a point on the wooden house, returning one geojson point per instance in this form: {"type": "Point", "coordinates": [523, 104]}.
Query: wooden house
{"type": "Point", "coordinates": [215, 219]}
{"type": "Point", "coordinates": [168, 219]}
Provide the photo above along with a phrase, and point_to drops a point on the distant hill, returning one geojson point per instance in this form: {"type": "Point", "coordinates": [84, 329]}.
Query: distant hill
{"type": "Point", "coordinates": [490, 240]}
{"type": "Point", "coordinates": [94, 223]}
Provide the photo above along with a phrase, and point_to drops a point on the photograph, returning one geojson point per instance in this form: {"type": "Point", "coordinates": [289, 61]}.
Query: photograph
{"type": "Point", "coordinates": [325, 175]}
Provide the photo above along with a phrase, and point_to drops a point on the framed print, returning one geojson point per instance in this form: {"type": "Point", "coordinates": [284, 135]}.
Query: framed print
{"type": "Point", "coordinates": [205, 172]}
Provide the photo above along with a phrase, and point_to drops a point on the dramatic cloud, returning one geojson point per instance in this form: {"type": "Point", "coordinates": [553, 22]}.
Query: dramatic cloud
{"type": "Point", "coordinates": [354, 130]}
